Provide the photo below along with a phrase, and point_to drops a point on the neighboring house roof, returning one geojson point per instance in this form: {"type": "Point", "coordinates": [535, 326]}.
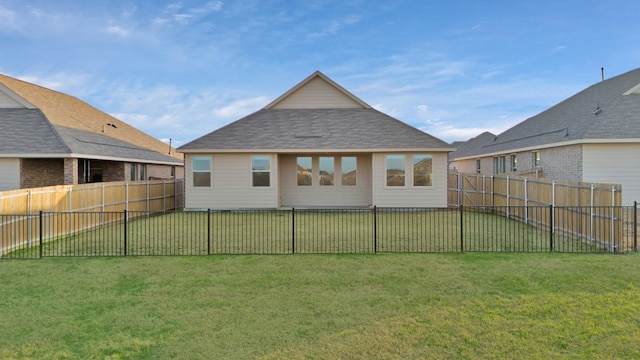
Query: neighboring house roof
{"type": "Point", "coordinates": [608, 111]}
{"type": "Point", "coordinates": [66, 115]}
{"type": "Point", "coordinates": [31, 134]}
{"type": "Point", "coordinates": [27, 131]}
{"type": "Point", "coordinates": [338, 121]}
{"type": "Point", "coordinates": [471, 146]}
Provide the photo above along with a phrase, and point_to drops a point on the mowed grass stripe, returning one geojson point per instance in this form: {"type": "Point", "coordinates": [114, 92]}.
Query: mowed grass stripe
{"type": "Point", "coordinates": [322, 306]}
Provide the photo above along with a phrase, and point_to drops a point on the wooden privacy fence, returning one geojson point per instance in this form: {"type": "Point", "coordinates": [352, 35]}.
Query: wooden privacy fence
{"type": "Point", "coordinates": [100, 198]}
{"type": "Point", "coordinates": [503, 190]}
{"type": "Point", "coordinates": [595, 209]}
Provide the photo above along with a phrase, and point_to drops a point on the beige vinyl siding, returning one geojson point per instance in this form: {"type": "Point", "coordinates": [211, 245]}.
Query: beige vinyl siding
{"type": "Point", "coordinates": [231, 186]}
{"type": "Point", "coordinates": [315, 195]}
{"type": "Point", "coordinates": [614, 164]}
{"type": "Point", "coordinates": [409, 196]}
{"type": "Point", "coordinates": [9, 174]}
{"type": "Point", "coordinates": [317, 94]}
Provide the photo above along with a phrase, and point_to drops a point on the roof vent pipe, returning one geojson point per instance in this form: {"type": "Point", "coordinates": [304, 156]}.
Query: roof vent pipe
{"type": "Point", "coordinates": [602, 73]}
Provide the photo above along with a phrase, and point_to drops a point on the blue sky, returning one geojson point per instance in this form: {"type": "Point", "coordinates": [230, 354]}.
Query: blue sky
{"type": "Point", "coordinates": [180, 69]}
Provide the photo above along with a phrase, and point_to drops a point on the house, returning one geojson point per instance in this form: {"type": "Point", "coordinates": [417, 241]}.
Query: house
{"type": "Point", "coordinates": [50, 138]}
{"type": "Point", "coordinates": [471, 146]}
{"type": "Point", "coordinates": [317, 145]}
{"type": "Point", "coordinates": [593, 136]}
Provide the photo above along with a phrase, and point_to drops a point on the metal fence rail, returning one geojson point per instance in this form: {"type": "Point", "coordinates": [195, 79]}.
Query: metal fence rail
{"type": "Point", "coordinates": [305, 231]}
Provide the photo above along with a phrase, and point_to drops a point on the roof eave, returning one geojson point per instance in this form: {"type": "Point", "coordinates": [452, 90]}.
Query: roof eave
{"type": "Point", "coordinates": [551, 145]}
{"type": "Point", "coordinates": [319, 151]}
{"type": "Point", "coordinates": [88, 156]}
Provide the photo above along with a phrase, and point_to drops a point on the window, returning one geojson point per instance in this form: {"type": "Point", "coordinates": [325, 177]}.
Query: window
{"type": "Point", "coordinates": [173, 172]}
{"type": "Point", "coordinates": [422, 170]}
{"type": "Point", "coordinates": [327, 170]}
{"type": "Point", "coordinates": [304, 171]}
{"type": "Point", "coordinates": [143, 171]}
{"type": "Point", "coordinates": [496, 165]}
{"type": "Point", "coordinates": [478, 170]}
{"type": "Point", "coordinates": [261, 171]}
{"type": "Point", "coordinates": [503, 164]}
{"type": "Point", "coordinates": [201, 171]}
{"type": "Point", "coordinates": [395, 170]}
{"type": "Point", "coordinates": [134, 172]}
{"type": "Point", "coordinates": [514, 163]}
{"type": "Point", "coordinates": [535, 158]}
{"type": "Point", "coordinates": [349, 170]}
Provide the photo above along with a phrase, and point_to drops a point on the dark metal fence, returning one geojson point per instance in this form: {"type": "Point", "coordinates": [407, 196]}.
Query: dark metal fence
{"type": "Point", "coordinates": [305, 231]}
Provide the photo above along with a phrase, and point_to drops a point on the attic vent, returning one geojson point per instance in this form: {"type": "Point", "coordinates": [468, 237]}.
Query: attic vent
{"type": "Point", "coordinates": [597, 111]}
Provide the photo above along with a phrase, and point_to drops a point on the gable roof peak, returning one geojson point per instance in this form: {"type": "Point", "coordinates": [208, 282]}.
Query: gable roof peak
{"type": "Point", "coordinates": [354, 101]}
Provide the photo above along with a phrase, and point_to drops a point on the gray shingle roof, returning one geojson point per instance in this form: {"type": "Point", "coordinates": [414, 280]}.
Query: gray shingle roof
{"type": "Point", "coordinates": [300, 129]}
{"type": "Point", "coordinates": [576, 118]}
{"type": "Point", "coordinates": [88, 142]}
{"type": "Point", "coordinates": [471, 146]}
{"type": "Point", "coordinates": [27, 131]}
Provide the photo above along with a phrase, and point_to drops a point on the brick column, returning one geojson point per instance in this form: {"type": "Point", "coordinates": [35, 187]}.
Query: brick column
{"type": "Point", "coordinates": [70, 171]}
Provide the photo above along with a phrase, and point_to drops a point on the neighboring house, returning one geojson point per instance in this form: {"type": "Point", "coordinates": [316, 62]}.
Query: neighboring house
{"type": "Point", "coordinates": [317, 145]}
{"type": "Point", "coordinates": [469, 147]}
{"type": "Point", "coordinates": [50, 138]}
{"type": "Point", "coordinates": [593, 136]}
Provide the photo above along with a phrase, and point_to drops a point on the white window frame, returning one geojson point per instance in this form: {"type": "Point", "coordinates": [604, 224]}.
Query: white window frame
{"type": "Point", "coordinates": [404, 171]}
{"type": "Point", "coordinates": [535, 158]}
{"type": "Point", "coordinates": [413, 169]}
{"type": "Point", "coordinates": [342, 169]}
{"type": "Point", "coordinates": [194, 170]}
{"type": "Point", "coordinates": [333, 162]}
{"type": "Point", "coordinates": [261, 171]}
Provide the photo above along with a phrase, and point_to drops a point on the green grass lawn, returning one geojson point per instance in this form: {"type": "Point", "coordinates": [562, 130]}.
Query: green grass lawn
{"type": "Point", "coordinates": [391, 306]}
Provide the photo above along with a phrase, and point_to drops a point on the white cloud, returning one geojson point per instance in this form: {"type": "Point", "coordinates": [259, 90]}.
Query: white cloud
{"type": "Point", "coordinates": [116, 30]}
{"type": "Point", "coordinates": [70, 83]}
{"type": "Point", "coordinates": [7, 17]}
{"type": "Point", "coordinates": [240, 107]}
{"type": "Point", "coordinates": [334, 26]}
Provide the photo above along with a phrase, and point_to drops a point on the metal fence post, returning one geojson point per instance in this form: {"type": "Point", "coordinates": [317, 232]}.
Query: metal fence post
{"type": "Point", "coordinates": [375, 230]}
{"type": "Point", "coordinates": [551, 225]}
{"type": "Point", "coordinates": [208, 231]}
{"type": "Point", "coordinates": [125, 231]}
{"type": "Point", "coordinates": [41, 237]}
{"type": "Point", "coordinates": [293, 230]}
{"type": "Point", "coordinates": [461, 229]}
{"type": "Point", "coordinates": [635, 226]}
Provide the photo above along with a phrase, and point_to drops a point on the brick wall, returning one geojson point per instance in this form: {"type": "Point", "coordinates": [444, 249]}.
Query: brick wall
{"type": "Point", "coordinates": [41, 172]}
{"type": "Point", "coordinates": [562, 162]}
{"type": "Point", "coordinates": [555, 163]}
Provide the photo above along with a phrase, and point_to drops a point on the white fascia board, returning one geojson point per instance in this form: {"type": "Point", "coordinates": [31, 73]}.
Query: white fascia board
{"type": "Point", "coordinates": [552, 145]}
{"type": "Point", "coordinates": [90, 157]}
{"type": "Point", "coordinates": [318, 151]}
